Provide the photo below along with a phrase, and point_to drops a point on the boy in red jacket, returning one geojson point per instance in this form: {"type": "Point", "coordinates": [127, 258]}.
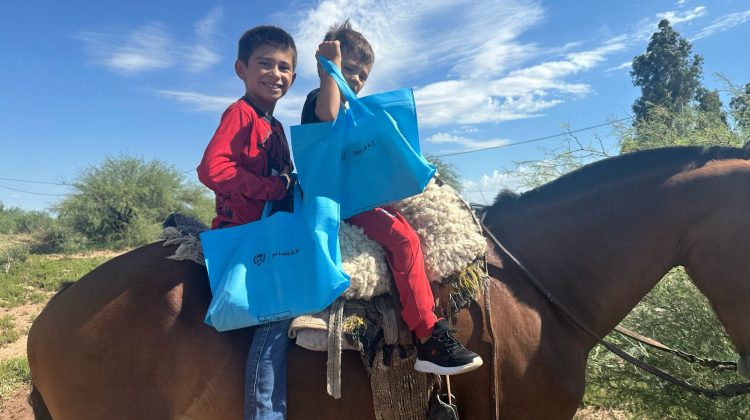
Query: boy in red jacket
{"type": "Point", "coordinates": [246, 164]}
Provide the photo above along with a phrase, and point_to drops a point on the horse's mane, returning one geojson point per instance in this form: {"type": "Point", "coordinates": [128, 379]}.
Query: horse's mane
{"type": "Point", "coordinates": [621, 167]}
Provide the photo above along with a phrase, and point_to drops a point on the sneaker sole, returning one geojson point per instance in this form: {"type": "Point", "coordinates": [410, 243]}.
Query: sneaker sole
{"type": "Point", "coordinates": [429, 367]}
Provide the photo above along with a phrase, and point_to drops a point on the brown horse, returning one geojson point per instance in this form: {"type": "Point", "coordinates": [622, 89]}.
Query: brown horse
{"type": "Point", "coordinates": [127, 340]}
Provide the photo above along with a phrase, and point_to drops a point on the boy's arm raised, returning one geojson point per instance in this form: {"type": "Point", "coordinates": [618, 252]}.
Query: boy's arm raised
{"type": "Point", "coordinates": [220, 169]}
{"type": "Point", "coordinates": [329, 97]}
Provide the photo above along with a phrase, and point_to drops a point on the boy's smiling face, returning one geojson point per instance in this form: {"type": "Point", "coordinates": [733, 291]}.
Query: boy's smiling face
{"type": "Point", "coordinates": [268, 75]}
{"type": "Point", "coordinates": [355, 72]}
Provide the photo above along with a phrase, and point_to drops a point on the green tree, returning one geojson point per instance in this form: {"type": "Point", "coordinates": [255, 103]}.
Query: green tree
{"type": "Point", "coordinates": [447, 172]}
{"type": "Point", "coordinates": [739, 107]}
{"type": "Point", "coordinates": [698, 128]}
{"type": "Point", "coordinates": [710, 104]}
{"type": "Point", "coordinates": [666, 73]}
{"type": "Point", "coordinates": [123, 201]}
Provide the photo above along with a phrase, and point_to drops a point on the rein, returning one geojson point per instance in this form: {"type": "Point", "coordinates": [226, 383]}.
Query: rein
{"type": "Point", "coordinates": [709, 363]}
{"type": "Point", "coordinates": [726, 391]}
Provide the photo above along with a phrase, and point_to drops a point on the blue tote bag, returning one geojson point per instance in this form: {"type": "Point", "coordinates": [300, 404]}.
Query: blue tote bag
{"type": "Point", "coordinates": [369, 156]}
{"type": "Point", "coordinates": [282, 266]}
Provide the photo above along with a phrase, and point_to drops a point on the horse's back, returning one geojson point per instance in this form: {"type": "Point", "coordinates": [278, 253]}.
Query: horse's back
{"type": "Point", "coordinates": [128, 338]}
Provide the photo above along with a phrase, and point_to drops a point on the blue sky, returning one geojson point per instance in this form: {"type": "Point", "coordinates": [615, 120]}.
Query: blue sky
{"type": "Point", "coordinates": [84, 80]}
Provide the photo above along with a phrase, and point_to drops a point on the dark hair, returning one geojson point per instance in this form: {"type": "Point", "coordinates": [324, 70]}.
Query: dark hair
{"type": "Point", "coordinates": [265, 35]}
{"type": "Point", "coordinates": [351, 41]}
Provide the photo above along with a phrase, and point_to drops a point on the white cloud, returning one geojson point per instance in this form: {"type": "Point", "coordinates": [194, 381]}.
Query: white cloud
{"type": "Point", "coordinates": [287, 110]}
{"type": "Point", "coordinates": [647, 26]}
{"type": "Point", "coordinates": [465, 142]}
{"type": "Point", "coordinates": [623, 66]}
{"type": "Point", "coordinates": [199, 101]}
{"type": "Point", "coordinates": [468, 56]}
{"type": "Point", "coordinates": [151, 47]}
{"type": "Point", "coordinates": [146, 48]}
{"type": "Point", "coordinates": [522, 93]}
{"type": "Point", "coordinates": [485, 189]}
{"type": "Point", "coordinates": [478, 50]}
{"type": "Point", "coordinates": [722, 24]}
{"type": "Point", "coordinates": [466, 129]}
{"type": "Point", "coordinates": [206, 27]}
{"type": "Point", "coordinates": [201, 56]}
{"type": "Point", "coordinates": [676, 17]}
{"type": "Point", "coordinates": [409, 36]}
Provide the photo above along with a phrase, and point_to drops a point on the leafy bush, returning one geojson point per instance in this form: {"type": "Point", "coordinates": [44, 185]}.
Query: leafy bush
{"type": "Point", "coordinates": [13, 372]}
{"type": "Point", "coordinates": [54, 237]}
{"type": "Point", "coordinates": [447, 172]}
{"type": "Point", "coordinates": [691, 127]}
{"type": "Point", "coordinates": [13, 254]}
{"type": "Point", "coordinates": [14, 220]}
{"type": "Point", "coordinates": [8, 331]}
{"type": "Point", "coordinates": [122, 202]}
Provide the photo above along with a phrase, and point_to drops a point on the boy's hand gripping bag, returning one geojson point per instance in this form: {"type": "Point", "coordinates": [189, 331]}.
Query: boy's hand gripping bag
{"type": "Point", "coordinates": [368, 156]}
{"type": "Point", "coordinates": [282, 266]}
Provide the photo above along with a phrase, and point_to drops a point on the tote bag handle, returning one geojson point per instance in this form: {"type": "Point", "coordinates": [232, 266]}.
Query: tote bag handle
{"type": "Point", "coordinates": [351, 97]}
{"type": "Point", "coordinates": [297, 203]}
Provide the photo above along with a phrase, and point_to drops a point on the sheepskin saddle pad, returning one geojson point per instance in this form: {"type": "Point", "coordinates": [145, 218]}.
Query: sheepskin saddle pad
{"type": "Point", "coordinates": [448, 233]}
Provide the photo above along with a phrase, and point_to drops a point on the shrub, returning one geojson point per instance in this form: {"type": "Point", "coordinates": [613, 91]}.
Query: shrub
{"type": "Point", "coordinates": [8, 331]}
{"type": "Point", "coordinates": [14, 220]}
{"type": "Point", "coordinates": [13, 254]}
{"type": "Point", "coordinates": [13, 372]}
{"type": "Point", "coordinates": [122, 201]}
{"type": "Point", "coordinates": [57, 238]}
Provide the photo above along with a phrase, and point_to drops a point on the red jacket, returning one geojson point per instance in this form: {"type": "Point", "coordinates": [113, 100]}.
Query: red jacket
{"type": "Point", "coordinates": [239, 164]}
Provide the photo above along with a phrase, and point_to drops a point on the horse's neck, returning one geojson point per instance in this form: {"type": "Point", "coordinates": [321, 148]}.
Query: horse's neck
{"type": "Point", "coordinates": [598, 254]}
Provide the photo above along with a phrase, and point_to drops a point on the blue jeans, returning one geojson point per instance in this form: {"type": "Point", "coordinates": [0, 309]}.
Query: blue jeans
{"type": "Point", "coordinates": [265, 372]}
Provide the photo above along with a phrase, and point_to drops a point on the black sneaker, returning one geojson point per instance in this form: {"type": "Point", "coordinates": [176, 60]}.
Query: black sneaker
{"type": "Point", "coordinates": [442, 354]}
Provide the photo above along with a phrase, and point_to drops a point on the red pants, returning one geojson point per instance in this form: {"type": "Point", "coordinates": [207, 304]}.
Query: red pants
{"type": "Point", "coordinates": [404, 254]}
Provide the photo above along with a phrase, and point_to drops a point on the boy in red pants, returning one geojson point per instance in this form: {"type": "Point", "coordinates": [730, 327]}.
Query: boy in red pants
{"type": "Point", "coordinates": [437, 350]}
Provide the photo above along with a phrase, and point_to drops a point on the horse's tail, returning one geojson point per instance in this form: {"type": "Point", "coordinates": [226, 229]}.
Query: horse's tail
{"type": "Point", "coordinates": [37, 404]}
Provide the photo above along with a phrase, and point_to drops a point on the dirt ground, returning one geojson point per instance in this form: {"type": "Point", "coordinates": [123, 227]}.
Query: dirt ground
{"type": "Point", "coordinates": [16, 407]}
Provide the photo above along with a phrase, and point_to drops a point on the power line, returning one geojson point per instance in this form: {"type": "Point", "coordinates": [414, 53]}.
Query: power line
{"type": "Point", "coordinates": [32, 192]}
{"type": "Point", "coordinates": [443, 155]}
{"type": "Point", "coordinates": [56, 183]}
{"type": "Point", "coordinates": [36, 182]}
{"type": "Point", "coordinates": [536, 139]}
